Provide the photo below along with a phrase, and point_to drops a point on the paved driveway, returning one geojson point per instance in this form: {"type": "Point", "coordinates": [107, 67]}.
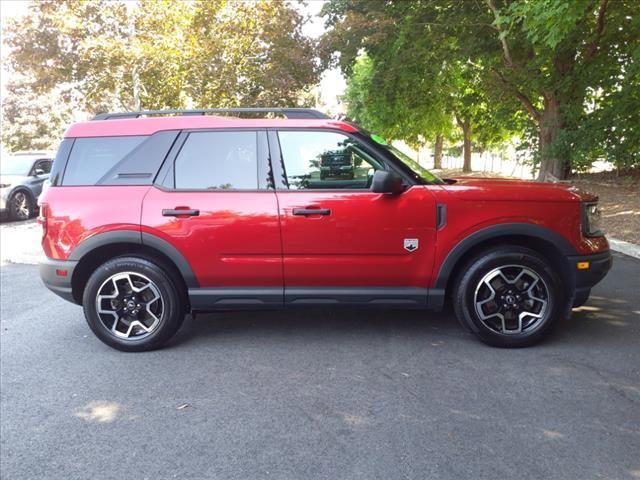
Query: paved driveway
{"type": "Point", "coordinates": [320, 394]}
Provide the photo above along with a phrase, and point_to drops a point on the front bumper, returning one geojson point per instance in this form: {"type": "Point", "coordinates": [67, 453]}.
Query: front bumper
{"type": "Point", "coordinates": [53, 278]}
{"type": "Point", "coordinates": [585, 278]}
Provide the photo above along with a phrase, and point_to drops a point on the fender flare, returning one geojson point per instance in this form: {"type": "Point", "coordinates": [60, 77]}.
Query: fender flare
{"type": "Point", "coordinates": [495, 231]}
{"type": "Point", "coordinates": [139, 238]}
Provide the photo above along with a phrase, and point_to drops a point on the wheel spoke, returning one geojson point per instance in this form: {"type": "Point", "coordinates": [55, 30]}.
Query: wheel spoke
{"type": "Point", "coordinates": [511, 331]}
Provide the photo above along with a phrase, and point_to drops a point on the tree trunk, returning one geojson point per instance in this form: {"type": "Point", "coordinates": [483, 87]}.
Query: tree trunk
{"type": "Point", "coordinates": [135, 77]}
{"type": "Point", "coordinates": [550, 126]}
{"type": "Point", "coordinates": [465, 125]}
{"type": "Point", "coordinates": [437, 152]}
{"type": "Point", "coordinates": [136, 88]}
{"type": "Point", "coordinates": [466, 130]}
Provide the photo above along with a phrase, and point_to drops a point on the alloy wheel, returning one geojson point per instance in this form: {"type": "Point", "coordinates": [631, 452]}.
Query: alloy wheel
{"type": "Point", "coordinates": [129, 305]}
{"type": "Point", "coordinates": [511, 299]}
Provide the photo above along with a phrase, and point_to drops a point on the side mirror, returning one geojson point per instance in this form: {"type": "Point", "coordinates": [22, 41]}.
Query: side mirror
{"type": "Point", "coordinates": [39, 171]}
{"type": "Point", "coordinates": [387, 182]}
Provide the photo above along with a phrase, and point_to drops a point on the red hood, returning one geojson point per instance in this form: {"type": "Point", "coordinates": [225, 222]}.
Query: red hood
{"type": "Point", "coordinates": [482, 189]}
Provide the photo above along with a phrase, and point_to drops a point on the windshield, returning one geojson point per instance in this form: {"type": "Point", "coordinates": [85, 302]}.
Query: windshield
{"type": "Point", "coordinates": [16, 165]}
{"type": "Point", "coordinates": [413, 165]}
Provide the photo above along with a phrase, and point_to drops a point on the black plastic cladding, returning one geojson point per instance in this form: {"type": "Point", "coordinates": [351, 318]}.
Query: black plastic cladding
{"type": "Point", "coordinates": [141, 165]}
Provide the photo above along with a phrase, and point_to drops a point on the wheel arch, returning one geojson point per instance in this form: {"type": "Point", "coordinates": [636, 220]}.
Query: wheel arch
{"type": "Point", "coordinates": [548, 243]}
{"type": "Point", "coordinates": [100, 248]}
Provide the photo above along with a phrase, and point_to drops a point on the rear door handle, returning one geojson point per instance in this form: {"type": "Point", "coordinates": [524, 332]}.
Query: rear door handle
{"type": "Point", "coordinates": [311, 211]}
{"type": "Point", "coordinates": [180, 212]}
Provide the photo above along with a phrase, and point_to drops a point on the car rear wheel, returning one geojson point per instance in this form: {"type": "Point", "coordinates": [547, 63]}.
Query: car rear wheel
{"type": "Point", "coordinates": [132, 304]}
{"type": "Point", "coordinates": [509, 296]}
{"type": "Point", "coordinates": [21, 206]}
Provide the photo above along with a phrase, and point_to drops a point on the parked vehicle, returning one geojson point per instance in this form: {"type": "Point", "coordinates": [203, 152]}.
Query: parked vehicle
{"type": "Point", "coordinates": [337, 165]}
{"type": "Point", "coordinates": [148, 219]}
{"type": "Point", "coordinates": [22, 175]}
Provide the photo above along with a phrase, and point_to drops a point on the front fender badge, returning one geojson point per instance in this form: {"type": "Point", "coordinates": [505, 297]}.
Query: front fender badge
{"type": "Point", "coordinates": [411, 244]}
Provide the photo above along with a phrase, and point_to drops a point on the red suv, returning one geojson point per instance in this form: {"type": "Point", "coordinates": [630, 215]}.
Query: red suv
{"type": "Point", "coordinates": [153, 215]}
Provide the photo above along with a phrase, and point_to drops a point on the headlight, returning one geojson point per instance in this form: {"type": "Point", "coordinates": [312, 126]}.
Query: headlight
{"type": "Point", "coordinates": [5, 185]}
{"type": "Point", "coordinates": [591, 220]}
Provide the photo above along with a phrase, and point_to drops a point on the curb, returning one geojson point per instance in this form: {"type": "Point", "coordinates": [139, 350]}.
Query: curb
{"type": "Point", "coordinates": [624, 247]}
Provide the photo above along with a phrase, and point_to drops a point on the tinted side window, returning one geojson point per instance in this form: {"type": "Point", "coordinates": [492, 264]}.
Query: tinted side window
{"type": "Point", "coordinates": [60, 162]}
{"type": "Point", "coordinates": [218, 161]}
{"type": "Point", "coordinates": [326, 160]}
{"type": "Point", "coordinates": [92, 157]}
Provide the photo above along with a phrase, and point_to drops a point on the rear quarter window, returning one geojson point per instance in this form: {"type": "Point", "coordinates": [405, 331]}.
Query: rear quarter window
{"type": "Point", "coordinates": [91, 158]}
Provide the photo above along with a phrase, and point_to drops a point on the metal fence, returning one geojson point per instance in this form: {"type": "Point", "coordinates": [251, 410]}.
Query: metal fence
{"type": "Point", "coordinates": [488, 163]}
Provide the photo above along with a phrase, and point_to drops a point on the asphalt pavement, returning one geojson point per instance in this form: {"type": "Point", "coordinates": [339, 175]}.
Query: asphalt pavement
{"type": "Point", "coordinates": [319, 394]}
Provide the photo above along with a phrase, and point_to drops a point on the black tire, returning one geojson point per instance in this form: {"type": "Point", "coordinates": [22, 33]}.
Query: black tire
{"type": "Point", "coordinates": [502, 308]}
{"type": "Point", "coordinates": [21, 206]}
{"type": "Point", "coordinates": [170, 309]}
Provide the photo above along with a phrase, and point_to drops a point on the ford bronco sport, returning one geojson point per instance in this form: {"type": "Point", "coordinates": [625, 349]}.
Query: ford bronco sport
{"type": "Point", "coordinates": [153, 215]}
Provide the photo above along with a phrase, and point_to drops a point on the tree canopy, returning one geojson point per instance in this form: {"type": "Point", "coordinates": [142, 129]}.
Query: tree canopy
{"type": "Point", "coordinates": [102, 56]}
{"type": "Point", "coordinates": [570, 67]}
{"type": "Point", "coordinates": [563, 76]}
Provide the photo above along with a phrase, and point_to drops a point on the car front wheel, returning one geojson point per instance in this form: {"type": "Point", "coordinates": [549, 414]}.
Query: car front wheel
{"type": "Point", "coordinates": [509, 296]}
{"type": "Point", "coordinates": [132, 304]}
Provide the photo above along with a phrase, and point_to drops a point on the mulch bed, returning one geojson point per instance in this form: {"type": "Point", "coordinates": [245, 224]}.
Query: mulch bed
{"type": "Point", "coordinates": [619, 201]}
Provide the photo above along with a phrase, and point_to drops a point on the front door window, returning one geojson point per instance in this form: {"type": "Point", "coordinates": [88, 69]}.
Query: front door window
{"type": "Point", "coordinates": [325, 161]}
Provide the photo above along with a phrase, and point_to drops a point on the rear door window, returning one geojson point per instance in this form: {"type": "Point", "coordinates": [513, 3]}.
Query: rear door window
{"type": "Point", "coordinates": [92, 157]}
{"type": "Point", "coordinates": [218, 161]}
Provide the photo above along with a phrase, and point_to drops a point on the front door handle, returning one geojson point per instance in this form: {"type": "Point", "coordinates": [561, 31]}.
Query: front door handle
{"type": "Point", "coordinates": [311, 211]}
{"type": "Point", "coordinates": [180, 212]}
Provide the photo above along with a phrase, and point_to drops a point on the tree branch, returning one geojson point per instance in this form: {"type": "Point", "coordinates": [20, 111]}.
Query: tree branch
{"type": "Point", "coordinates": [458, 121]}
{"type": "Point", "coordinates": [534, 113]}
{"type": "Point", "coordinates": [506, 53]}
{"type": "Point", "coordinates": [463, 123]}
{"type": "Point", "coordinates": [593, 46]}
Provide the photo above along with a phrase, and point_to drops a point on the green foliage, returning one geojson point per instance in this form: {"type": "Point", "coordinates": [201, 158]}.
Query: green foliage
{"type": "Point", "coordinates": [412, 83]}
{"type": "Point", "coordinates": [368, 100]}
{"type": "Point", "coordinates": [100, 55]}
{"type": "Point", "coordinates": [570, 68]}
{"type": "Point", "coordinates": [545, 23]}
{"type": "Point", "coordinates": [612, 131]}
{"type": "Point", "coordinates": [32, 121]}
{"type": "Point", "coordinates": [249, 53]}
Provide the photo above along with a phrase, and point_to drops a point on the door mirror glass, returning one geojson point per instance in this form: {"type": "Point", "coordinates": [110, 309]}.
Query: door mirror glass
{"type": "Point", "coordinates": [387, 182]}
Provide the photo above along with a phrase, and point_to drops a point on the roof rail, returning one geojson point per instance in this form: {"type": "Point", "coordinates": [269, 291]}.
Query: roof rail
{"type": "Point", "coordinates": [291, 113]}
